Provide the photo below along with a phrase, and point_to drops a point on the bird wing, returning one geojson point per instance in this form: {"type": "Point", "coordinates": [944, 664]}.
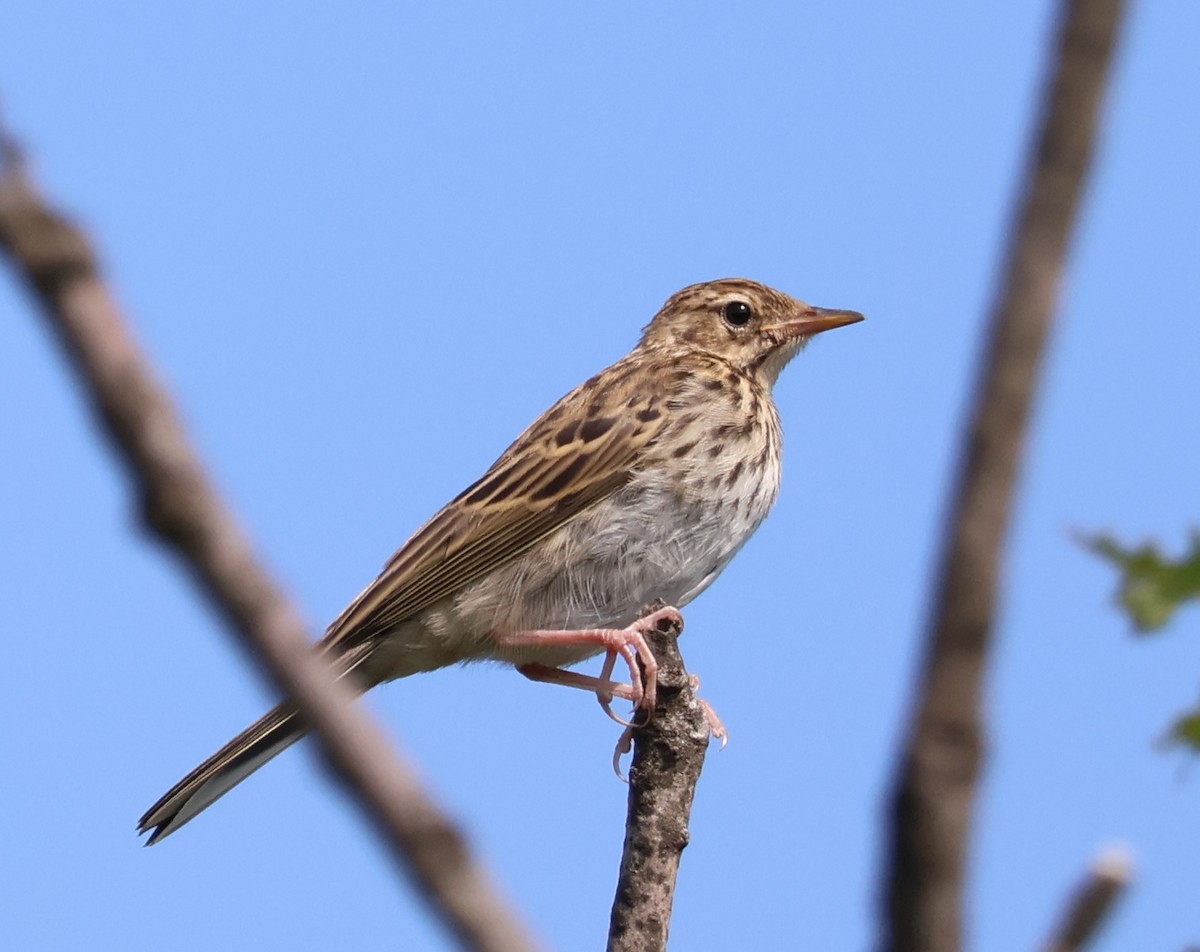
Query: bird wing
{"type": "Point", "coordinates": [577, 453]}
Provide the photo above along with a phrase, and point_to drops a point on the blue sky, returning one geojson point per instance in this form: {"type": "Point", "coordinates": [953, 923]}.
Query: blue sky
{"type": "Point", "coordinates": [367, 244]}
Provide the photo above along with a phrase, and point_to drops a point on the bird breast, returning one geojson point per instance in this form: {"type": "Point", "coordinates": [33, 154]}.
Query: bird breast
{"type": "Point", "coordinates": [694, 501]}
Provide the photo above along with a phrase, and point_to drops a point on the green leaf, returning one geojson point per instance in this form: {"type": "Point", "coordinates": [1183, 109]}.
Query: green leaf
{"type": "Point", "coordinates": [1185, 731]}
{"type": "Point", "coordinates": [1152, 587]}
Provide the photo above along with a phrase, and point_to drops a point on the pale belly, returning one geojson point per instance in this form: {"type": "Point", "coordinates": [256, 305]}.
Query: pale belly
{"type": "Point", "coordinates": [646, 543]}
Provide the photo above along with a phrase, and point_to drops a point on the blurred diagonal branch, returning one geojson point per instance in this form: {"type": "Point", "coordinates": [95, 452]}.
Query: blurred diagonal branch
{"type": "Point", "coordinates": [934, 788]}
{"type": "Point", "coordinates": [1091, 903]}
{"type": "Point", "coordinates": [56, 262]}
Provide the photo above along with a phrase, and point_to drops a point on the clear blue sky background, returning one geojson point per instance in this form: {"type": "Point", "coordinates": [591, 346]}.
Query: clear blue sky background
{"type": "Point", "coordinates": [367, 243]}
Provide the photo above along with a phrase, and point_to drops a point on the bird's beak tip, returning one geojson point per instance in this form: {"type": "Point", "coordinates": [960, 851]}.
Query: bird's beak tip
{"type": "Point", "coordinates": [816, 320]}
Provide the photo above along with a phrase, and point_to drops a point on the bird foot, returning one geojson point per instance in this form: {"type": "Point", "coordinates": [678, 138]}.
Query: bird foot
{"type": "Point", "coordinates": [716, 729]}
{"type": "Point", "coordinates": [627, 643]}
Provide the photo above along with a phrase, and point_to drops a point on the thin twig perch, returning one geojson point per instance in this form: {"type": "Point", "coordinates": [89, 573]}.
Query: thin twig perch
{"type": "Point", "coordinates": [668, 754]}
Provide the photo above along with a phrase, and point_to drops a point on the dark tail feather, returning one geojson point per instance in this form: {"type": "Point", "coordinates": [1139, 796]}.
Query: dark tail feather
{"type": "Point", "coordinates": [223, 771]}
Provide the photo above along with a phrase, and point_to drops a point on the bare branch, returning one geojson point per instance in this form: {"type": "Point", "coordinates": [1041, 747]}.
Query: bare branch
{"type": "Point", "coordinates": [668, 754]}
{"type": "Point", "coordinates": [1091, 903]}
{"type": "Point", "coordinates": [180, 505]}
{"type": "Point", "coordinates": [935, 784]}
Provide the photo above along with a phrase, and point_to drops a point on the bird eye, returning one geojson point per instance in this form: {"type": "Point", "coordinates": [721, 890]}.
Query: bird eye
{"type": "Point", "coordinates": [737, 313]}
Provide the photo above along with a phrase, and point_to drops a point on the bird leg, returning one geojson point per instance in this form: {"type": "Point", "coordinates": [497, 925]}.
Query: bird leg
{"type": "Point", "coordinates": [628, 643]}
{"type": "Point", "coordinates": [604, 688]}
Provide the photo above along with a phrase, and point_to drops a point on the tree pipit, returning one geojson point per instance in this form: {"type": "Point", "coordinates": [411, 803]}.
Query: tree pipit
{"type": "Point", "coordinates": [640, 484]}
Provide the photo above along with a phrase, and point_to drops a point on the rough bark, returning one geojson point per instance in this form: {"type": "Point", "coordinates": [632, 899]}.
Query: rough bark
{"type": "Point", "coordinates": [668, 754]}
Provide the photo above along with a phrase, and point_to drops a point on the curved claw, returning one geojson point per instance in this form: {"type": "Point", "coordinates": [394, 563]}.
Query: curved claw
{"type": "Point", "coordinates": [606, 704]}
{"type": "Point", "coordinates": [716, 726]}
{"type": "Point", "coordinates": [624, 746]}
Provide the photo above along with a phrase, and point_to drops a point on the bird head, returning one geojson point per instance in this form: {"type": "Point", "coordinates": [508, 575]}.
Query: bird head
{"type": "Point", "coordinates": [749, 325]}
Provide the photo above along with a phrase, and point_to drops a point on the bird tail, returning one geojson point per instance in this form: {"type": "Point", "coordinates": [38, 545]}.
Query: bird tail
{"type": "Point", "coordinates": [223, 771]}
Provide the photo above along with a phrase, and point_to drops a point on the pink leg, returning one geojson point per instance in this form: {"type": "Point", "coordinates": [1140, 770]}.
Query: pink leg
{"type": "Point", "coordinates": [606, 698]}
{"type": "Point", "coordinates": [629, 643]}
{"type": "Point", "coordinates": [604, 689]}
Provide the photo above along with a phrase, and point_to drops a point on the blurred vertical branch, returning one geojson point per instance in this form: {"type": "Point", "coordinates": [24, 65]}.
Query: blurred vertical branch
{"type": "Point", "coordinates": [934, 788]}
{"type": "Point", "coordinates": [57, 264]}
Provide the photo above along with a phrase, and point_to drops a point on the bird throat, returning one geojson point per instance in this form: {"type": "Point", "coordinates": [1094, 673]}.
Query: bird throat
{"type": "Point", "coordinates": [771, 366]}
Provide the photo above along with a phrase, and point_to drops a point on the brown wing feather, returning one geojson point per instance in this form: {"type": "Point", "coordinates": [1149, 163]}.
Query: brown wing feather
{"type": "Point", "coordinates": [577, 453]}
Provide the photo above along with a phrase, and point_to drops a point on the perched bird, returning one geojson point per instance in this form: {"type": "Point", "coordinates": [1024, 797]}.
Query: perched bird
{"type": "Point", "coordinates": [640, 484]}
